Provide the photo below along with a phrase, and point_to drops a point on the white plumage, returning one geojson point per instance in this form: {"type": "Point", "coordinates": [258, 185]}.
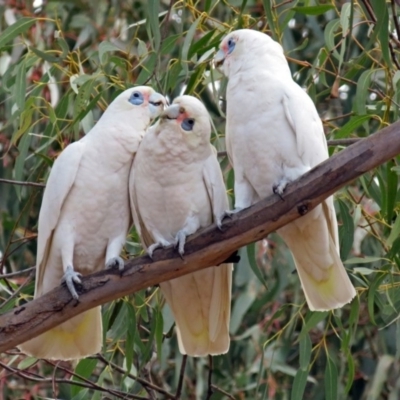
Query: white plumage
{"type": "Point", "coordinates": [273, 136]}
{"type": "Point", "coordinates": [176, 188]}
{"type": "Point", "coordinates": [85, 216]}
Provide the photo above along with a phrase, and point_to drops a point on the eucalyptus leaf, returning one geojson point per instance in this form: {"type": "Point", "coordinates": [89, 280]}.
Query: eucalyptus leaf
{"type": "Point", "coordinates": [313, 10]}
{"type": "Point", "coordinates": [11, 32]}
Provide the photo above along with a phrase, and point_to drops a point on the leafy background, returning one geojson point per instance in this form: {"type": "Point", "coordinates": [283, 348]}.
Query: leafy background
{"type": "Point", "coordinates": [62, 62]}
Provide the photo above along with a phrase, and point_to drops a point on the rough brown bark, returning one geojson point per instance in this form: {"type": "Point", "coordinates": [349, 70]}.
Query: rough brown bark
{"type": "Point", "coordinates": [208, 247]}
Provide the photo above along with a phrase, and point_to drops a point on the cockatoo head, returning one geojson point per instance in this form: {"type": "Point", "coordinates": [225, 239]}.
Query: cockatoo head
{"type": "Point", "coordinates": [246, 48]}
{"type": "Point", "coordinates": [188, 116]}
{"type": "Point", "coordinates": [139, 102]}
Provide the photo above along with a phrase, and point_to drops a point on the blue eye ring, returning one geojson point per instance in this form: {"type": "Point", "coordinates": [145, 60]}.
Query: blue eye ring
{"type": "Point", "coordinates": [231, 45]}
{"type": "Point", "coordinates": [188, 124]}
{"type": "Point", "coordinates": [136, 98]}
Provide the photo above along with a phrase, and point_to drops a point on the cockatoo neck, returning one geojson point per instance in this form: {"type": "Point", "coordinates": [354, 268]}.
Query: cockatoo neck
{"type": "Point", "coordinates": [273, 64]}
{"type": "Point", "coordinates": [125, 127]}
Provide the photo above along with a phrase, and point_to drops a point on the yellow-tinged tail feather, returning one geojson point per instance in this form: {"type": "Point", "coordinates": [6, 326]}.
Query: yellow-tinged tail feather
{"type": "Point", "coordinates": [311, 239]}
{"type": "Point", "coordinates": [201, 303]}
{"type": "Point", "coordinates": [79, 337]}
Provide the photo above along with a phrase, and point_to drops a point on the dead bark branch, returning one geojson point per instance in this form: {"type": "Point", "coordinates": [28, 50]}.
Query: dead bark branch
{"type": "Point", "coordinates": [206, 248]}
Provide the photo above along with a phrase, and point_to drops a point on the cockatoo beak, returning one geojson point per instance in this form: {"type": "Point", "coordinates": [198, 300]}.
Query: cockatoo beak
{"type": "Point", "coordinates": [172, 112]}
{"type": "Point", "coordinates": [157, 102]}
{"type": "Point", "coordinates": [219, 58]}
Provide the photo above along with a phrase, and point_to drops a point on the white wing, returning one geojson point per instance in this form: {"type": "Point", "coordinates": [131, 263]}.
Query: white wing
{"type": "Point", "coordinates": [59, 184]}
{"type": "Point", "coordinates": [133, 200]}
{"type": "Point", "coordinates": [303, 117]}
{"type": "Point", "coordinates": [215, 186]}
{"type": "Point", "coordinates": [323, 277]}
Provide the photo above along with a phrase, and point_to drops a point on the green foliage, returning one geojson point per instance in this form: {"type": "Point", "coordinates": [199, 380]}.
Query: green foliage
{"type": "Point", "coordinates": [60, 66]}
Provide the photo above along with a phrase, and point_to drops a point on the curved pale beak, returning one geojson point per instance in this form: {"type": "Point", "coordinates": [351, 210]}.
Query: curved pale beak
{"type": "Point", "coordinates": [157, 102]}
{"type": "Point", "coordinates": [172, 112]}
{"type": "Point", "coordinates": [219, 58]}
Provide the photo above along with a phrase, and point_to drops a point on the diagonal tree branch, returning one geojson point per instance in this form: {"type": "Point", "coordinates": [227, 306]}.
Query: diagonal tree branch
{"type": "Point", "coordinates": [206, 248]}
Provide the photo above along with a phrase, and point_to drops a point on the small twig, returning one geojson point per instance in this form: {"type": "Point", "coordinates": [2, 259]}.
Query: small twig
{"type": "Point", "coordinates": [12, 274]}
{"type": "Point", "coordinates": [53, 384]}
{"type": "Point", "coordinates": [393, 54]}
{"type": "Point", "coordinates": [181, 376]}
{"type": "Point", "coordinates": [150, 392]}
{"type": "Point", "coordinates": [370, 10]}
{"type": "Point", "coordinates": [342, 142]}
{"type": "Point", "coordinates": [10, 253]}
{"type": "Point", "coordinates": [25, 238]}
{"type": "Point", "coordinates": [210, 371]}
{"type": "Point", "coordinates": [142, 381]}
{"type": "Point", "coordinates": [338, 117]}
{"type": "Point", "coordinates": [229, 396]}
{"type": "Point", "coordinates": [281, 4]}
{"type": "Point", "coordinates": [396, 21]}
{"type": "Point", "coordinates": [35, 184]}
{"type": "Point", "coordinates": [146, 374]}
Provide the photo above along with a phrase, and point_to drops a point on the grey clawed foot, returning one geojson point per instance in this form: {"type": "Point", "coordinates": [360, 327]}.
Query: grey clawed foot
{"type": "Point", "coordinates": [151, 248]}
{"type": "Point", "coordinates": [70, 277]}
{"type": "Point", "coordinates": [230, 213]}
{"type": "Point", "coordinates": [227, 214]}
{"type": "Point", "coordinates": [180, 241]}
{"type": "Point", "coordinates": [219, 223]}
{"type": "Point", "coordinates": [161, 243]}
{"type": "Point", "coordinates": [115, 262]}
{"type": "Point", "coordinates": [280, 188]}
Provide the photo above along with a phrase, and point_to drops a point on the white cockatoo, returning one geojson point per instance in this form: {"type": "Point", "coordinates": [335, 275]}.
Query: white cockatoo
{"type": "Point", "coordinates": [85, 216]}
{"type": "Point", "coordinates": [176, 187]}
{"type": "Point", "coordinates": [273, 136]}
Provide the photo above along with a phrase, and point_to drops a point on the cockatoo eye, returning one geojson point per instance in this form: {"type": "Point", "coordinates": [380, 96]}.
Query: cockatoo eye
{"type": "Point", "coordinates": [187, 124]}
{"type": "Point", "coordinates": [231, 45]}
{"type": "Point", "coordinates": [136, 98]}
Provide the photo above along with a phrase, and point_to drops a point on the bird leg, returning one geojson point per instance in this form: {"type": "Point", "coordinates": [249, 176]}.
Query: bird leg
{"type": "Point", "coordinates": [180, 241]}
{"type": "Point", "coordinates": [114, 248]}
{"type": "Point", "coordinates": [245, 197]}
{"type": "Point", "coordinates": [210, 372]}
{"type": "Point", "coordinates": [181, 377]}
{"type": "Point", "coordinates": [69, 278]}
{"type": "Point", "coordinates": [115, 262]}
